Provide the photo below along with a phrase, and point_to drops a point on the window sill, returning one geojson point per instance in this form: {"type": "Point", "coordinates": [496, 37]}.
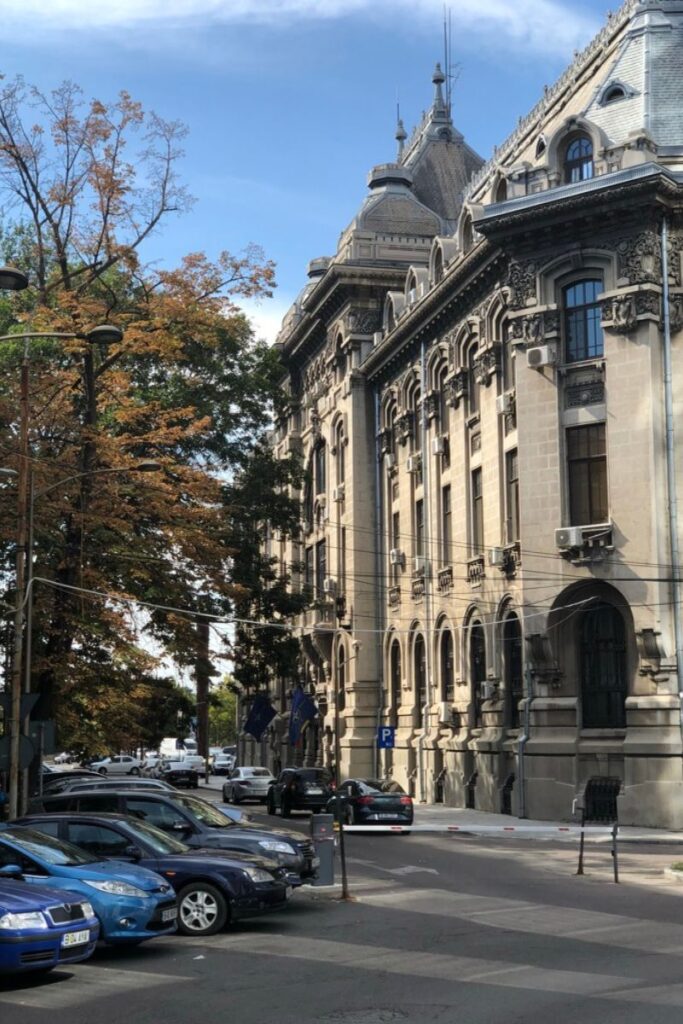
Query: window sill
{"type": "Point", "coordinates": [605, 733]}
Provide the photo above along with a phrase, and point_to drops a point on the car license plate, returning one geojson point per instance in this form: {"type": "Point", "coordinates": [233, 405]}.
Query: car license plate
{"type": "Point", "coordinates": [385, 816]}
{"type": "Point", "coordinates": [76, 938]}
{"type": "Point", "coordinates": [170, 914]}
{"type": "Point", "coordinates": [316, 790]}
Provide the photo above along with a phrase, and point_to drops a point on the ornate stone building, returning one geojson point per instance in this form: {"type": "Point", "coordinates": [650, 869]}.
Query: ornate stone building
{"type": "Point", "coordinates": [486, 387]}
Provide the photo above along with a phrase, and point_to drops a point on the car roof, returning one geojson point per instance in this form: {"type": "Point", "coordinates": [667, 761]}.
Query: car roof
{"type": "Point", "coordinates": [62, 815]}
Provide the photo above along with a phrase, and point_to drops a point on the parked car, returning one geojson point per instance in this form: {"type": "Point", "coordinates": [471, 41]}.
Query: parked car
{"type": "Point", "coordinates": [299, 789]}
{"type": "Point", "coordinates": [64, 758]}
{"type": "Point", "coordinates": [132, 904]}
{"type": "Point", "coordinates": [99, 782]}
{"type": "Point", "coordinates": [199, 824]}
{"type": "Point", "coordinates": [223, 764]}
{"type": "Point", "coordinates": [55, 782]}
{"type": "Point", "coordinates": [195, 761]}
{"type": "Point", "coordinates": [41, 926]}
{"type": "Point", "coordinates": [178, 773]}
{"type": "Point", "coordinates": [149, 766]}
{"type": "Point", "coordinates": [372, 802]}
{"type": "Point", "coordinates": [247, 784]}
{"type": "Point", "coordinates": [213, 886]}
{"type": "Point", "coordinates": [120, 764]}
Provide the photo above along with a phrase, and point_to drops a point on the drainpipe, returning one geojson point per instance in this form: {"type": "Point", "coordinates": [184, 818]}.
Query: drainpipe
{"type": "Point", "coordinates": [379, 576]}
{"type": "Point", "coordinates": [671, 474]}
{"type": "Point", "coordinates": [524, 739]}
{"type": "Point", "coordinates": [426, 492]}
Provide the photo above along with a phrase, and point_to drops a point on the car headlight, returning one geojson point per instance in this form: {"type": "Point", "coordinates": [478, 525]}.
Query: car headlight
{"type": "Point", "coordinates": [276, 846]}
{"type": "Point", "coordinates": [87, 908]}
{"type": "Point", "coordinates": [258, 875]}
{"type": "Point", "coordinates": [32, 919]}
{"type": "Point", "coordinates": [116, 888]}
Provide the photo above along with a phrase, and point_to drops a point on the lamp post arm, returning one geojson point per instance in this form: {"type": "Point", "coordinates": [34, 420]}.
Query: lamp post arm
{"type": "Point", "coordinates": [40, 334]}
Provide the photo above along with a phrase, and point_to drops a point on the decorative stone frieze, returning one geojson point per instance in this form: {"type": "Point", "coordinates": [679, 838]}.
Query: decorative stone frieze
{"type": "Point", "coordinates": [639, 258]}
{"type": "Point", "coordinates": [432, 405]}
{"type": "Point", "coordinates": [444, 579]}
{"type": "Point", "coordinates": [363, 321]}
{"type": "Point", "coordinates": [403, 427]}
{"type": "Point", "coordinates": [521, 281]}
{"type": "Point", "coordinates": [486, 365]}
{"type": "Point", "coordinates": [476, 571]}
{"type": "Point", "coordinates": [385, 439]}
{"type": "Point", "coordinates": [456, 387]}
{"type": "Point", "coordinates": [623, 312]}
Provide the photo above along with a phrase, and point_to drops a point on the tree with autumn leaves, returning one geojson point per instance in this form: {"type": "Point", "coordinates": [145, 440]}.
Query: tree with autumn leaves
{"type": "Point", "coordinates": [122, 558]}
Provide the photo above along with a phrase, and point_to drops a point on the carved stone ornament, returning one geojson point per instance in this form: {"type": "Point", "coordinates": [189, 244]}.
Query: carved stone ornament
{"type": "Point", "coordinates": [456, 387]}
{"type": "Point", "coordinates": [385, 441]}
{"type": "Point", "coordinates": [315, 423]}
{"type": "Point", "coordinates": [432, 405]}
{"type": "Point", "coordinates": [624, 313]}
{"type": "Point", "coordinates": [363, 321]}
{"type": "Point", "coordinates": [676, 311]}
{"type": "Point", "coordinates": [403, 427]}
{"type": "Point", "coordinates": [532, 329]}
{"type": "Point", "coordinates": [521, 281]}
{"type": "Point", "coordinates": [639, 259]}
{"type": "Point", "coordinates": [486, 365]}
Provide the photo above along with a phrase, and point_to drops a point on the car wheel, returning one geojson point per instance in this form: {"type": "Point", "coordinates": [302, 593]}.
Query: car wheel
{"type": "Point", "coordinates": [102, 771]}
{"type": "Point", "coordinates": [134, 771]}
{"type": "Point", "coordinates": [270, 804]}
{"type": "Point", "coordinates": [202, 909]}
{"type": "Point", "coordinates": [235, 798]}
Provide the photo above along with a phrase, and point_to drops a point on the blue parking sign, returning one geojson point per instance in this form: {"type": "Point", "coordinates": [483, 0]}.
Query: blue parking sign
{"type": "Point", "coordinates": [385, 737]}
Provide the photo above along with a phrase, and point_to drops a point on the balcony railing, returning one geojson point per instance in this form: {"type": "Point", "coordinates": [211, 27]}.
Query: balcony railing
{"type": "Point", "coordinates": [476, 570]}
{"type": "Point", "coordinates": [444, 579]}
{"type": "Point", "coordinates": [394, 596]}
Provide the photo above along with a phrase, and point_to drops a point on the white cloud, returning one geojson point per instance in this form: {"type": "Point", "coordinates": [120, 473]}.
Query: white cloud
{"type": "Point", "coordinates": [265, 315]}
{"type": "Point", "coordinates": [543, 25]}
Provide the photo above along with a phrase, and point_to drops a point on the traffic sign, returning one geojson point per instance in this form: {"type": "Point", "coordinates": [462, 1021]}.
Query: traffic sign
{"type": "Point", "coordinates": [26, 753]}
{"type": "Point", "coordinates": [28, 702]}
{"type": "Point", "coordinates": [385, 737]}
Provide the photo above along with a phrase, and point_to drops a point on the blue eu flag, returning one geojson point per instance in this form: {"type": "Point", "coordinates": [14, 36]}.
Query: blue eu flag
{"type": "Point", "coordinates": [303, 710]}
{"type": "Point", "coordinates": [259, 718]}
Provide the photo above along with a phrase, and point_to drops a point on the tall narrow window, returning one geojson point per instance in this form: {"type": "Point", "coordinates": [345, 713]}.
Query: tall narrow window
{"type": "Point", "coordinates": [319, 469]}
{"type": "Point", "coordinates": [587, 474]}
{"type": "Point", "coordinates": [320, 567]}
{"type": "Point", "coordinates": [420, 528]}
{"type": "Point", "coordinates": [512, 669]}
{"type": "Point", "coordinates": [508, 359]}
{"type": "Point", "coordinates": [417, 420]}
{"type": "Point", "coordinates": [395, 674]}
{"type": "Point", "coordinates": [603, 668]}
{"type": "Point", "coordinates": [342, 560]}
{"type": "Point", "coordinates": [447, 677]}
{"type": "Point", "coordinates": [578, 160]}
{"type": "Point", "coordinates": [512, 496]}
{"type": "Point", "coordinates": [582, 327]}
{"type": "Point", "coordinates": [477, 513]}
{"type": "Point", "coordinates": [446, 526]}
{"type": "Point", "coordinates": [341, 677]}
{"type": "Point", "coordinates": [420, 673]}
{"type": "Point", "coordinates": [395, 544]}
{"type": "Point", "coordinates": [472, 382]}
{"type": "Point", "coordinates": [341, 453]}
{"type": "Point", "coordinates": [309, 572]}
{"type": "Point", "coordinates": [477, 667]}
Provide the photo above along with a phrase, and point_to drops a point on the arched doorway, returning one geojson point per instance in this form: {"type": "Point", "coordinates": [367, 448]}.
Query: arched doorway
{"type": "Point", "coordinates": [513, 677]}
{"type": "Point", "coordinates": [602, 666]}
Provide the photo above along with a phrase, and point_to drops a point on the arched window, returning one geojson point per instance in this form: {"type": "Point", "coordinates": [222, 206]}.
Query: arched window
{"type": "Point", "coordinates": [341, 677]}
{"type": "Point", "coordinates": [467, 233]}
{"type": "Point", "coordinates": [578, 159]}
{"type": "Point", "coordinates": [512, 669]}
{"type": "Point", "coordinates": [508, 357]}
{"type": "Point", "coordinates": [582, 327]}
{"type": "Point", "coordinates": [395, 676]}
{"type": "Point", "coordinates": [416, 409]}
{"type": "Point", "coordinates": [472, 381]}
{"type": "Point", "coordinates": [340, 452]}
{"type": "Point", "coordinates": [613, 93]}
{"type": "Point", "coordinates": [477, 659]}
{"type": "Point", "coordinates": [438, 265]}
{"type": "Point", "coordinates": [420, 673]}
{"type": "Point", "coordinates": [446, 666]}
{"type": "Point", "coordinates": [501, 191]}
{"type": "Point", "coordinates": [319, 480]}
{"type": "Point", "coordinates": [444, 406]}
{"type": "Point", "coordinates": [307, 511]}
{"type": "Point", "coordinates": [602, 663]}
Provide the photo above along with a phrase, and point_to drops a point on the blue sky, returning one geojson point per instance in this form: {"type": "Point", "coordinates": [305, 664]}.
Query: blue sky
{"type": "Point", "coordinates": [290, 102]}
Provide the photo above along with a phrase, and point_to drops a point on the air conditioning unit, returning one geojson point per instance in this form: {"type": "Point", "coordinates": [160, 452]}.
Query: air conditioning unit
{"type": "Point", "coordinates": [505, 403]}
{"type": "Point", "coordinates": [396, 556]}
{"type": "Point", "coordinates": [339, 493]}
{"type": "Point", "coordinates": [540, 356]}
{"type": "Point", "coordinates": [445, 713]}
{"type": "Point", "coordinates": [488, 690]}
{"type": "Point", "coordinates": [414, 463]}
{"type": "Point", "coordinates": [329, 585]}
{"type": "Point", "coordinates": [419, 563]}
{"type": "Point", "coordinates": [496, 556]}
{"type": "Point", "coordinates": [389, 460]}
{"type": "Point", "coordinates": [569, 537]}
{"type": "Point", "coordinates": [377, 337]}
{"type": "Point", "coordinates": [438, 445]}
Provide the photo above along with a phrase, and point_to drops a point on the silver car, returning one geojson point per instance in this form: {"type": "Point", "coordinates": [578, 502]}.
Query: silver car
{"type": "Point", "coordinates": [247, 784]}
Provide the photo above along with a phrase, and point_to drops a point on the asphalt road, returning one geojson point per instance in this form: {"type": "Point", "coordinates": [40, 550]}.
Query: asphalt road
{"type": "Point", "coordinates": [441, 929]}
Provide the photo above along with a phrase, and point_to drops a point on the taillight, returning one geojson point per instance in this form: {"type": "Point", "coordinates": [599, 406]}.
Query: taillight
{"type": "Point", "coordinates": [365, 800]}
{"type": "Point", "coordinates": [406, 799]}
{"type": "Point", "coordinates": [333, 785]}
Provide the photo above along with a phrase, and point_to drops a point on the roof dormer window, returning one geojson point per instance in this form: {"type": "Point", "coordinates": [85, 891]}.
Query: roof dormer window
{"type": "Point", "coordinates": [616, 92]}
{"type": "Point", "coordinates": [578, 159]}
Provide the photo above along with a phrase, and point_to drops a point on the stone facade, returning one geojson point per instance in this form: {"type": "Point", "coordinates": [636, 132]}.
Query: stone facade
{"type": "Point", "coordinates": [478, 396]}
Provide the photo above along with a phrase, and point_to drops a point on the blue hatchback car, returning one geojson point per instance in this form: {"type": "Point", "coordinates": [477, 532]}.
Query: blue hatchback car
{"type": "Point", "coordinates": [41, 927]}
{"type": "Point", "coordinates": [132, 904]}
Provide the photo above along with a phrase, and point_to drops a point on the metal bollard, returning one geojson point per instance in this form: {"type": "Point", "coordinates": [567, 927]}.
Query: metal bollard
{"type": "Point", "coordinates": [322, 834]}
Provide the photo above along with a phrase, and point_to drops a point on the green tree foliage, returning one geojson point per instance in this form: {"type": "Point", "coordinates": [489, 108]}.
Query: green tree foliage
{"type": "Point", "coordinates": [222, 714]}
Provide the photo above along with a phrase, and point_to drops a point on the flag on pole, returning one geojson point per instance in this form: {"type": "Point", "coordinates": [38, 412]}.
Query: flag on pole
{"type": "Point", "coordinates": [259, 718]}
{"type": "Point", "coordinates": [303, 710]}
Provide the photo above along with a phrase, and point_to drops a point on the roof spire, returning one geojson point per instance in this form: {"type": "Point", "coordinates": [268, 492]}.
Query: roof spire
{"type": "Point", "coordinates": [400, 136]}
{"type": "Point", "coordinates": [439, 107]}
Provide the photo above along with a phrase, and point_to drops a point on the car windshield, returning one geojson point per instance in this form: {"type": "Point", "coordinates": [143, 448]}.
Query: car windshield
{"type": "Point", "coordinates": [160, 841]}
{"type": "Point", "coordinates": [204, 812]}
{"type": "Point", "coordinates": [259, 773]}
{"type": "Point", "coordinates": [318, 776]}
{"type": "Point", "coordinates": [47, 848]}
{"type": "Point", "coordinates": [379, 786]}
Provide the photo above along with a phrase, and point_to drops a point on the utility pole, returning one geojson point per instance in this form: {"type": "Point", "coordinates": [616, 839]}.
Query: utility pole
{"type": "Point", "coordinates": [17, 675]}
{"type": "Point", "coordinates": [202, 678]}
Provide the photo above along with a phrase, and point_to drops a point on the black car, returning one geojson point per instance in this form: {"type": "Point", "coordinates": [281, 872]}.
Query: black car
{"type": "Point", "coordinates": [178, 774]}
{"type": "Point", "coordinates": [55, 782]}
{"type": "Point", "coordinates": [213, 886]}
{"type": "Point", "coordinates": [196, 823]}
{"type": "Point", "coordinates": [372, 802]}
{"type": "Point", "coordinates": [299, 789]}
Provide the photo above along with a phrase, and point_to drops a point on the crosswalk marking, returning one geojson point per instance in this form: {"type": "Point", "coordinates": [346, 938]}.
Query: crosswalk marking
{"type": "Point", "coordinates": [89, 982]}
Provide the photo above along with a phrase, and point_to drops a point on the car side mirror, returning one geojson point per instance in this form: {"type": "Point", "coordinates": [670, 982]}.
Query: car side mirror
{"type": "Point", "coordinates": [11, 871]}
{"type": "Point", "coordinates": [132, 852]}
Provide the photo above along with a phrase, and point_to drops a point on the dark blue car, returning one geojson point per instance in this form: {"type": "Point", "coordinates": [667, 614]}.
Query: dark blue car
{"type": "Point", "coordinates": [131, 903]}
{"type": "Point", "coordinates": [213, 887]}
{"type": "Point", "coordinates": [41, 927]}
